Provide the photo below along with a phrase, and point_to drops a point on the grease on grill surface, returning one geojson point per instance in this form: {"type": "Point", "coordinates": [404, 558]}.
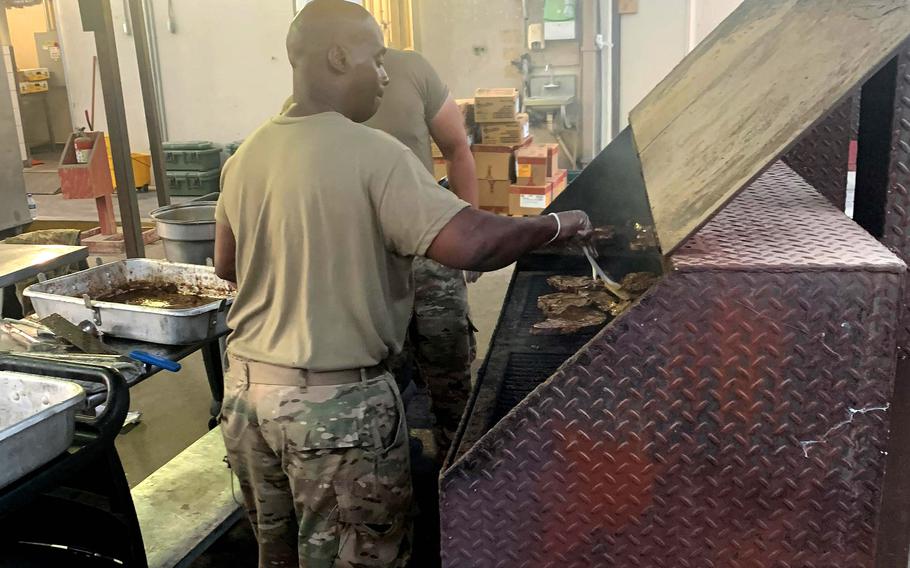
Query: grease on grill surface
{"type": "Point", "coordinates": [638, 282]}
{"type": "Point", "coordinates": [160, 296]}
{"type": "Point", "coordinates": [583, 303]}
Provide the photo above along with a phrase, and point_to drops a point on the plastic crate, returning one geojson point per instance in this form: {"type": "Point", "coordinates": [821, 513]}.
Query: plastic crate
{"type": "Point", "coordinates": [231, 147]}
{"type": "Point", "coordinates": [191, 156]}
{"type": "Point", "coordinates": [193, 184]}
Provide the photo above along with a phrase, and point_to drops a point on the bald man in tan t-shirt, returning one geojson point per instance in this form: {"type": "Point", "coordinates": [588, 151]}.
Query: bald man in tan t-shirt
{"type": "Point", "coordinates": [417, 109]}
{"type": "Point", "coordinates": [318, 223]}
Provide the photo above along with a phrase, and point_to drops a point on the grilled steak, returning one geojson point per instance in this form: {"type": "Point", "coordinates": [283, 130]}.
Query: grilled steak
{"type": "Point", "coordinates": [556, 304]}
{"type": "Point", "coordinates": [574, 283]}
{"type": "Point", "coordinates": [573, 320]}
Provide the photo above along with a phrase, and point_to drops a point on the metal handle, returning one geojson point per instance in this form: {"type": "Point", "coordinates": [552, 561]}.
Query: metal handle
{"type": "Point", "coordinates": [155, 361]}
{"type": "Point", "coordinates": [116, 405]}
{"type": "Point", "coordinates": [96, 311]}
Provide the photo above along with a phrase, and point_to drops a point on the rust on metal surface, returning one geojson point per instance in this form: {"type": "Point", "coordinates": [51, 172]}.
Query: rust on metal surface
{"type": "Point", "coordinates": [737, 416]}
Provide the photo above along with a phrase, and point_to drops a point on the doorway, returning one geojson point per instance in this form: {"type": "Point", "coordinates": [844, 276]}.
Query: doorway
{"type": "Point", "coordinates": [43, 102]}
{"type": "Point", "coordinates": [395, 17]}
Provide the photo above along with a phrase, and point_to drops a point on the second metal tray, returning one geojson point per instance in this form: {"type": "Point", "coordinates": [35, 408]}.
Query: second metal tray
{"type": "Point", "coordinates": [37, 421]}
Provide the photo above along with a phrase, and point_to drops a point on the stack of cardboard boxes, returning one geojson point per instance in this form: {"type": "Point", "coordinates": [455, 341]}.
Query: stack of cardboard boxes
{"type": "Point", "coordinates": [503, 130]}
{"type": "Point", "coordinates": [539, 179]}
{"type": "Point", "coordinates": [33, 80]}
{"type": "Point", "coordinates": [515, 176]}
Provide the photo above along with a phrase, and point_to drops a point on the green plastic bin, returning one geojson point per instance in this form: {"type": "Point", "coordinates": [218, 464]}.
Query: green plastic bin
{"type": "Point", "coordinates": [191, 156]}
{"type": "Point", "coordinates": [231, 147]}
{"type": "Point", "coordinates": [193, 184]}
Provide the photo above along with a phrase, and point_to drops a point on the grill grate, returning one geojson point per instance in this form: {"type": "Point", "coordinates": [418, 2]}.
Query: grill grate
{"type": "Point", "coordinates": [524, 373]}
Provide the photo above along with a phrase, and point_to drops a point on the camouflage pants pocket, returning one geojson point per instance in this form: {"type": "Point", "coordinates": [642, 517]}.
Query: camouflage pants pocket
{"type": "Point", "coordinates": [379, 524]}
{"type": "Point", "coordinates": [377, 507]}
{"type": "Point", "coordinates": [234, 407]}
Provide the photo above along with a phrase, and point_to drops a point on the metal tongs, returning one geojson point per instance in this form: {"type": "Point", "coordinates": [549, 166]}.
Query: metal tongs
{"type": "Point", "coordinates": [599, 274]}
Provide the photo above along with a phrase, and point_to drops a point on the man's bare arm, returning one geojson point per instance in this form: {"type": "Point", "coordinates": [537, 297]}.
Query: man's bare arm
{"type": "Point", "coordinates": [476, 240]}
{"type": "Point", "coordinates": [225, 253]}
{"type": "Point", "coordinates": [447, 129]}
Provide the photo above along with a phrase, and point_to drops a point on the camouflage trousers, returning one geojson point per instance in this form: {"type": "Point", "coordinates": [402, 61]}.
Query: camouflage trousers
{"type": "Point", "coordinates": [441, 344]}
{"type": "Point", "coordinates": [324, 470]}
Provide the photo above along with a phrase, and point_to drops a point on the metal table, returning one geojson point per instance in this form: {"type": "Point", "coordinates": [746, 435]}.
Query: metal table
{"type": "Point", "coordinates": [211, 356]}
{"type": "Point", "coordinates": [20, 262]}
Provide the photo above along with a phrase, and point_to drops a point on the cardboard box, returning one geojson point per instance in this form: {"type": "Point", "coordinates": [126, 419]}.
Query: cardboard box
{"type": "Point", "coordinates": [560, 182]}
{"type": "Point", "coordinates": [439, 168]}
{"type": "Point", "coordinates": [554, 160]}
{"type": "Point", "coordinates": [494, 194]}
{"type": "Point", "coordinates": [529, 200]}
{"type": "Point", "coordinates": [507, 133]}
{"type": "Point", "coordinates": [496, 162]}
{"type": "Point", "coordinates": [496, 105]}
{"type": "Point", "coordinates": [36, 74]}
{"type": "Point", "coordinates": [29, 87]}
{"type": "Point", "coordinates": [534, 163]}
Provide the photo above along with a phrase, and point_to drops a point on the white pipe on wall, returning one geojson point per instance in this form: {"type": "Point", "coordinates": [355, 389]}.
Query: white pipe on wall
{"type": "Point", "coordinates": [692, 13]}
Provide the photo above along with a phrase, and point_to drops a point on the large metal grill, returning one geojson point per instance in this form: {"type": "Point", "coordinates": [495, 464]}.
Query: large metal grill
{"type": "Point", "coordinates": [736, 416]}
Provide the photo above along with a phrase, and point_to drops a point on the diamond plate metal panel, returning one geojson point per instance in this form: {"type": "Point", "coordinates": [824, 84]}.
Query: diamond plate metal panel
{"type": "Point", "coordinates": [780, 224]}
{"type": "Point", "coordinates": [737, 416]}
{"type": "Point", "coordinates": [896, 234]}
{"type": "Point", "coordinates": [821, 155]}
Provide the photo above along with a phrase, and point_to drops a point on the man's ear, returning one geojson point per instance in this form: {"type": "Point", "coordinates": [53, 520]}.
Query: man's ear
{"type": "Point", "coordinates": [339, 60]}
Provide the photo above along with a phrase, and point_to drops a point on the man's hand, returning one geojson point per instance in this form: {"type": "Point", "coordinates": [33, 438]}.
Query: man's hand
{"type": "Point", "coordinates": [573, 225]}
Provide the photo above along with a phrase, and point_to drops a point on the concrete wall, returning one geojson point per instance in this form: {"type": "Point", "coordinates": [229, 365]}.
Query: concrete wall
{"type": "Point", "coordinates": [224, 69]}
{"type": "Point", "coordinates": [707, 14]}
{"type": "Point", "coordinates": [655, 40]}
{"type": "Point", "coordinates": [471, 42]}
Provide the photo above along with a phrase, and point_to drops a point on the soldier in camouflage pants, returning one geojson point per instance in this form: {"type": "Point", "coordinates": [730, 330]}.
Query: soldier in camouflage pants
{"type": "Point", "coordinates": [324, 469]}
{"type": "Point", "coordinates": [442, 343]}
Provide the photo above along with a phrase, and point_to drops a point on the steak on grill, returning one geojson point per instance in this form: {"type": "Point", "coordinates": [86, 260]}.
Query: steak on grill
{"type": "Point", "coordinates": [572, 320]}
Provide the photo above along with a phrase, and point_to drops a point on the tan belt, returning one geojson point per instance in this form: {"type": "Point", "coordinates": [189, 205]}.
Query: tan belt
{"type": "Point", "coordinates": [274, 375]}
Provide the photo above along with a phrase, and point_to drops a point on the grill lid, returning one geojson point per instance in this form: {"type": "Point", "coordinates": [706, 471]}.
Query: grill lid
{"type": "Point", "coordinates": [738, 102]}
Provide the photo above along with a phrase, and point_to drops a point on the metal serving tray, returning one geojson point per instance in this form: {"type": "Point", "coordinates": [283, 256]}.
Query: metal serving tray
{"type": "Point", "coordinates": [37, 421]}
{"type": "Point", "coordinates": [67, 296]}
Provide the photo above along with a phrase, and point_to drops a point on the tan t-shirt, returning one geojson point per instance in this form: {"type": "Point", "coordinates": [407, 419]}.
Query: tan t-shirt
{"type": "Point", "coordinates": [327, 215]}
{"type": "Point", "coordinates": [414, 97]}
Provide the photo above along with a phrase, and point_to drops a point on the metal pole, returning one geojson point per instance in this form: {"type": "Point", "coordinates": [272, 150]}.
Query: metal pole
{"type": "Point", "coordinates": [96, 17]}
{"type": "Point", "coordinates": [4, 27]}
{"type": "Point", "coordinates": [149, 100]}
{"type": "Point", "coordinates": [615, 71]}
